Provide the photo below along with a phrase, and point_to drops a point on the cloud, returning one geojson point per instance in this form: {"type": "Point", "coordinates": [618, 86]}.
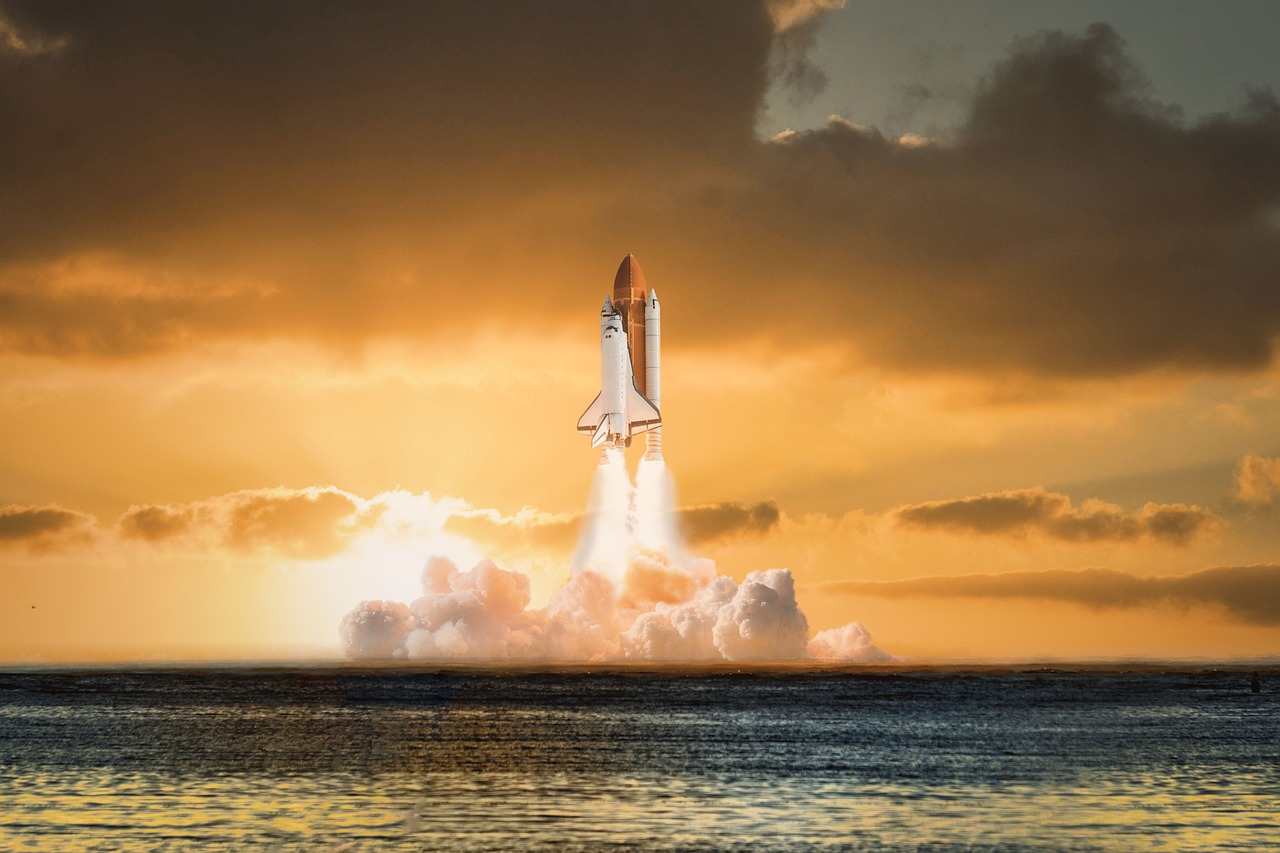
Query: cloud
{"type": "Point", "coordinates": [1258, 480]}
{"type": "Point", "coordinates": [787, 14]}
{"type": "Point", "coordinates": [311, 523]}
{"type": "Point", "coordinates": [366, 152]}
{"type": "Point", "coordinates": [728, 518]}
{"type": "Point", "coordinates": [155, 522]}
{"type": "Point", "coordinates": [1072, 226]}
{"type": "Point", "coordinates": [1021, 512]}
{"type": "Point", "coordinates": [24, 42]}
{"type": "Point", "coordinates": [386, 172]}
{"type": "Point", "coordinates": [526, 527]}
{"type": "Point", "coordinates": [791, 67]}
{"type": "Point", "coordinates": [699, 524]}
{"type": "Point", "coordinates": [43, 528]}
{"type": "Point", "coordinates": [1249, 594]}
{"type": "Point", "coordinates": [102, 303]}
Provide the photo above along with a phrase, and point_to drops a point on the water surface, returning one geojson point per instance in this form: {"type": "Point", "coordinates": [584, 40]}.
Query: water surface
{"type": "Point", "coordinates": [410, 759]}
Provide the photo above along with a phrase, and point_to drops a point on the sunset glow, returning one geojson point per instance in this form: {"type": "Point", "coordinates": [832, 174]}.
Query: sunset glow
{"type": "Point", "coordinates": [291, 303]}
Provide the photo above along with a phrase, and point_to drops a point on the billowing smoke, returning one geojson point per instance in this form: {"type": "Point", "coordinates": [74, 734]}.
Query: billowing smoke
{"type": "Point", "coordinates": [633, 594]}
{"type": "Point", "coordinates": [851, 642]}
{"type": "Point", "coordinates": [376, 629]}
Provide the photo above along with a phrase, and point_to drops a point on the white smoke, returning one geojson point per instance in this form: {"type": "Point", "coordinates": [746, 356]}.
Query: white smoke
{"type": "Point", "coordinates": [609, 521]}
{"type": "Point", "coordinates": [850, 642]}
{"type": "Point", "coordinates": [758, 620]}
{"type": "Point", "coordinates": [633, 594]}
{"type": "Point", "coordinates": [763, 621]}
{"type": "Point", "coordinates": [655, 519]}
{"type": "Point", "coordinates": [376, 629]}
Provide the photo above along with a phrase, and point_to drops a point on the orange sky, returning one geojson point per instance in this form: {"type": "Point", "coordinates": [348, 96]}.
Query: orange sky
{"type": "Point", "coordinates": [289, 301]}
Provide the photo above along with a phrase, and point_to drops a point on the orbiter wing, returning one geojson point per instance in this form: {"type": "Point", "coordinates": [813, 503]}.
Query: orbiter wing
{"type": "Point", "coordinates": [591, 417]}
{"type": "Point", "coordinates": [642, 414]}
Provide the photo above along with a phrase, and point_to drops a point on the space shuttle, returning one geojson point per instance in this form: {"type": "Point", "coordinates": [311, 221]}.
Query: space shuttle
{"type": "Point", "coordinates": [630, 374]}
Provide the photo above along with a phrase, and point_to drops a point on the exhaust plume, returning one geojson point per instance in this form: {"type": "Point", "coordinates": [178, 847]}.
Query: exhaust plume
{"type": "Point", "coordinates": [633, 594]}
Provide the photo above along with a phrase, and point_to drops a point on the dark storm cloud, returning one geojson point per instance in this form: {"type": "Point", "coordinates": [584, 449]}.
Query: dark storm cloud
{"type": "Point", "coordinates": [1249, 594]}
{"type": "Point", "coordinates": [43, 527]}
{"type": "Point", "coordinates": [341, 171]}
{"type": "Point", "coordinates": [1023, 511]}
{"type": "Point", "coordinates": [1073, 226]}
{"type": "Point", "coordinates": [354, 163]}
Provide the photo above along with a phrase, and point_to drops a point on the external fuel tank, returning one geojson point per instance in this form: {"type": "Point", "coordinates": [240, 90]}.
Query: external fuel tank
{"type": "Point", "coordinates": [629, 300]}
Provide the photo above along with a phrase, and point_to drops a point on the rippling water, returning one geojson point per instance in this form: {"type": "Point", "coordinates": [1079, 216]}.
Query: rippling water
{"type": "Point", "coordinates": [351, 759]}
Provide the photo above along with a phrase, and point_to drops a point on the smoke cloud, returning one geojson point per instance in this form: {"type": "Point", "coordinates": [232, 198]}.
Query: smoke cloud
{"type": "Point", "coordinates": [852, 642]}
{"type": "Point", "coordinates": [483, 613]}
{"type": "Point", "coordinates": [376, 629]}
{"type": "Point", "coordinates": [633, 594]}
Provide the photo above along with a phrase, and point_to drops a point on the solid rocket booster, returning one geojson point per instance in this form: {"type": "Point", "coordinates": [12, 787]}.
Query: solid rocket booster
{"type": "Point", "coordinates": [630, 337]}
{"type": "Point", "coordinates": [653, 370]}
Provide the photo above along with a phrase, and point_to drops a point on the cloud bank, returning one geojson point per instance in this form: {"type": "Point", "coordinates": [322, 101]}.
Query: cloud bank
{"type": "Point", "coordinates": [45, 527]}
{"type": "Point", "coordinates": [1249, 594]}
{"type": "Point", "coordinates": [1022, 512]}
{"type": "Point", "coordinates": [310, 523]}
{"type": "Point", "coordinates": [699, 524]}
{"type": "Point", "coordinates": [390, 171]}
{"type": "Point", "coordinates": [320, 521]}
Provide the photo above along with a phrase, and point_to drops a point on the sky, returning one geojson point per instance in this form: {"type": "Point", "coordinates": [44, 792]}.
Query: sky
{"type": "Point", "coordinates": [969, 311]}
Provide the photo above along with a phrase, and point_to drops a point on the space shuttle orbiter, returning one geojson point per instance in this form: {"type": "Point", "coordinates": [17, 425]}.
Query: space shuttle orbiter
{"type": "Point", "coordinates": [627, 404]}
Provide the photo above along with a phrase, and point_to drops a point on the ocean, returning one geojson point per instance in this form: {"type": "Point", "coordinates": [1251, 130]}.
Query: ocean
{"type": "Point", "coordinates": [349, 758]}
